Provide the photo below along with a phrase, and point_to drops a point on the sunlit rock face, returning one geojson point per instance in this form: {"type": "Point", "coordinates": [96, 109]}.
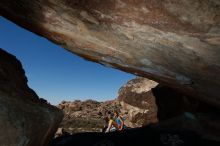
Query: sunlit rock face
{"type": "Point", "coordinates": [138, 102]}
{"type": "Point", "coordinates": [174, 42]}
{"type": "Point", "coordinates": [24, 119]}
{"type": "Point", "coordinates": [146, 102]}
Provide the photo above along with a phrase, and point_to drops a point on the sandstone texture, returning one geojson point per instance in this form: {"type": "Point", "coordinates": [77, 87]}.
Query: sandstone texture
{"type": "Point", "coordinates": [138, 101]}
{"type": "Point", "coordinates": [176, 43]}
{"type": "Point", "coordinates": [146, 102]}
{"type": "Point", "coordinates": [24, 119]}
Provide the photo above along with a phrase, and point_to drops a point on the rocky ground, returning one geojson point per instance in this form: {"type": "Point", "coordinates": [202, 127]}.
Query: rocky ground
{"type": "Point", "coordinates": [151, 135]}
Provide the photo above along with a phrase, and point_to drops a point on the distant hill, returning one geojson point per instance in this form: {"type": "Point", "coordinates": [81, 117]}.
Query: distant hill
{"type": "Point", "coordinates": [85, 116]}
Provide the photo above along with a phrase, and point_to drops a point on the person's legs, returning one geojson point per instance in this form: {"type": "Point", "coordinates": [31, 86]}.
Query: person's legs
{"type": "Point", "coordinates": [104, 129]}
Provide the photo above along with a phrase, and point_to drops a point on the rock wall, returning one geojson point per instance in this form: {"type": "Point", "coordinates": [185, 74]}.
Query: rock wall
{"type": "Point", "coordinates": [147, 102]}
{"type": "Point", "coordinates": [138, 102]}
{"type": "Point", "coordinates": [24, 119]}
{"type": "Point", "coordinates": [173, 42]}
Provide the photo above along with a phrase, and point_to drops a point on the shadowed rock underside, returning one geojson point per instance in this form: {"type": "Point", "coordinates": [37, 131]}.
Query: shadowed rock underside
{"type": "Point", "coordinates": [173, 42]}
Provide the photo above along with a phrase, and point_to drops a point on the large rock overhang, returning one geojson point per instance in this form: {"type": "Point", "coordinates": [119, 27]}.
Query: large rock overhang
{"type": "Point", "coordinates": [176, 43]}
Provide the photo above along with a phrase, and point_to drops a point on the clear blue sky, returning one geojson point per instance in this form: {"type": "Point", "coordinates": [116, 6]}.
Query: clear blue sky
{"type": "Point", "coordinates": [56, 74]}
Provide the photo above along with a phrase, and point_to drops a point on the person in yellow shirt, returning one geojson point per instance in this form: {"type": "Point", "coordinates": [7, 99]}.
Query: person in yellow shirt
{"type": "Point", "coordinates": [119, 121]}
{"type": "Point", "coordinates": [112, 125]}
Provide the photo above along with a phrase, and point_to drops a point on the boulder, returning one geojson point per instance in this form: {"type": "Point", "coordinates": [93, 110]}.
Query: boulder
{"type": "Point", "coordinates": [146, 102]}
{"type": "Point", "coordinates": [180, 112]}
{"type": "Point", "coordinates": [138, 101]}
{"type": "Point", "coordinates": [24, 119]}
{"type": "Point", "coordinates": [170, 41]}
